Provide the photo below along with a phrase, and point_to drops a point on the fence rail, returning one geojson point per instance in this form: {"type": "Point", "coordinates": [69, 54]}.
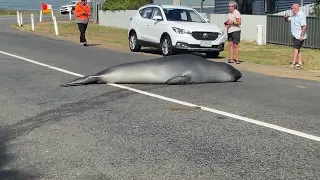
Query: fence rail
{"type": "Point", "coordinates": [279, 31]}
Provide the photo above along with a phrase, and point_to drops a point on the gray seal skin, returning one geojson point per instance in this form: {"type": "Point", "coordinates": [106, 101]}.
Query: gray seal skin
{"type": "Point", "coordinates": [175, 69]}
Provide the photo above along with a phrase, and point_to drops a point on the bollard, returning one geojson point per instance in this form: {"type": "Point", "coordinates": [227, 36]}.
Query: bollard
{"type": "Point", "coordinates": [52, 15]}
{"type": "Point", "coordinates": [41, 16]}
{"type": "Point", "coordinates": [21, 21]}
{"type": "Point", "coordinates": [32, 22]}
{"type": "Point", "coordinates": [55, 26]}
{"type": "Point", "coordinates": [18, 18]}
{"type": "Point", "coordinates": [70, 9]}
{"type": "Point", "coordinates": [259, 34]}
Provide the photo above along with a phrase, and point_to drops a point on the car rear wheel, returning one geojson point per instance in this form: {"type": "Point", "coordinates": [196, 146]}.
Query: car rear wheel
{"type": "Point", "coordinates": [166, 46]}
{"type": "Point", "coordinates": [133, 42]}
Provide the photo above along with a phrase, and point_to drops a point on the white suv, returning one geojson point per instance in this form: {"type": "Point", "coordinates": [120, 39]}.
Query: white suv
{"type": "Point", "coordinates": [71, 5]}
{"type": "Point", "coordinates": [174, 28]}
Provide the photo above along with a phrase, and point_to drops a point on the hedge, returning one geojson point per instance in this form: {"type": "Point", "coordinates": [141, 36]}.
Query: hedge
{"type": "Point", "coordinates": [124, 4]}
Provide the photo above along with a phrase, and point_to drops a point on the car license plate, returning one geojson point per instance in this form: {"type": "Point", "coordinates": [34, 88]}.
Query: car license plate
{"type": "Point", "coordinates": [206, 43]}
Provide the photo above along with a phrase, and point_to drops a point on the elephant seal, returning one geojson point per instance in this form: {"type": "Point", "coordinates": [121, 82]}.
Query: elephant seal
{"type": "Point", "coordinates": [175, 69]}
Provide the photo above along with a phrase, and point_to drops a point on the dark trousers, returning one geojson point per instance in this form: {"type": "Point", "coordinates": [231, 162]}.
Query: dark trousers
{"type": "Point", "coordinates": [82, 28]}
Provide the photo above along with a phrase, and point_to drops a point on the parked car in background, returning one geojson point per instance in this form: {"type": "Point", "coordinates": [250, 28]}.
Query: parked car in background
{"type": "Point", "coordinates": [65, 9]}
{"type": "Point", "coordinates": [174, 28]}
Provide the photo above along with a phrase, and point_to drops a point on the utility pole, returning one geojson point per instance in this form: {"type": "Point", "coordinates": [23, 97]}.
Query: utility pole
{"type": "Point", "coordinates": [177, 2]}
{"type": "Point", "coordinates": [201, 7]}
{"type": "Point", "coordinates": [94, 4]}
{"type": "Point", "coordinates": [301, 3]}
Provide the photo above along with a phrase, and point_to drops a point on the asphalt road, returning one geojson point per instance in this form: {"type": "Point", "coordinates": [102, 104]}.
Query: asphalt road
{"type": "Point", "coordinates": [104, 132]}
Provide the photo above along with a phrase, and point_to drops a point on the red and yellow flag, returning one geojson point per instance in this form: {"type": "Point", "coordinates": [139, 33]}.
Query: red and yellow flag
{"type": "Point", "coordinates": [46, 8]}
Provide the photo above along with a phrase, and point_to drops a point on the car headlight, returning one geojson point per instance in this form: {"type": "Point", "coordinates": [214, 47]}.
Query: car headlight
{"type": "Point", "coordinates": [181, 31]}
{"type": "Point", "coordinates": [221, 33]}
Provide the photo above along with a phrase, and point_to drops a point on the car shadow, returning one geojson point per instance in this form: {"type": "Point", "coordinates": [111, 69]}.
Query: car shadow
{"type": "Point", "coordinates": [158, 52]}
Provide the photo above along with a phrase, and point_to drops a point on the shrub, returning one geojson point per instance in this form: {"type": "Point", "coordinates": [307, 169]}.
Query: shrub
{"type": "Point", "coordinates": [316, 8]}
{"type": "Point", "coordinates": [124, 4]}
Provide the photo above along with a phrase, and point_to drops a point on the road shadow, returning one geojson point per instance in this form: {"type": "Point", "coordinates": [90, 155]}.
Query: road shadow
{"type": "Point", "coordinates": [6, 172]}
{"type": "Point", "coordinates": [93, 44]}
{"type": "Point", "coordinates": [10, 133]}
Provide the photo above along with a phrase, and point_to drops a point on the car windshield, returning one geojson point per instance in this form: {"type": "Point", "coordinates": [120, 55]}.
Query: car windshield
{"type": "Point", "coordinates": [182, 15]}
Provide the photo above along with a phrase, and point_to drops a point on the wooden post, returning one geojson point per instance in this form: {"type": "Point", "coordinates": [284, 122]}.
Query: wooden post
{"type": "Point", "coordinates": [177, 2]}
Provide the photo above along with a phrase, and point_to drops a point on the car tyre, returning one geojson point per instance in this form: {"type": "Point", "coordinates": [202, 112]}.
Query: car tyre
{"type": "Point", "coordinates": [133, 42]}
{"type": "Point", "coordinates": [212, 54]}
{"type": "Point", "coordinates": [166, 46]}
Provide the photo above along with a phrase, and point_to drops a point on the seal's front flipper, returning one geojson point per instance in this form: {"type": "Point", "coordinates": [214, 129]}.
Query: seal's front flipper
{"type": "Point", "coordinates": [186, 79]}
{"type": "Point", "coordinates": [81, 81]}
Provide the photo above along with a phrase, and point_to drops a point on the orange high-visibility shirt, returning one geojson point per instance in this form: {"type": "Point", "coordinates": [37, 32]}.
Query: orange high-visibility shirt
{"type": "Point", "coordinates": [79, 10]}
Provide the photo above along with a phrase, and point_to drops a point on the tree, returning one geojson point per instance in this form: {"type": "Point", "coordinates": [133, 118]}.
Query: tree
{"type": "Point", "coordinates": [124, 4]}
{"type": "Point", "coordinates": [315, 8]}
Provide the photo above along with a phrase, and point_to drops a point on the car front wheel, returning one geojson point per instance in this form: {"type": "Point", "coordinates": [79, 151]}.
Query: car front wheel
{"type": "Point", "coordinates": [133, 42]}
{"type": "Point", "coordinates": [166, 46]}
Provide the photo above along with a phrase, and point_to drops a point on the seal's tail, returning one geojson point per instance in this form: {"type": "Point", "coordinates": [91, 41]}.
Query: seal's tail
{"type": "Point", "coordinates": [81, 81]}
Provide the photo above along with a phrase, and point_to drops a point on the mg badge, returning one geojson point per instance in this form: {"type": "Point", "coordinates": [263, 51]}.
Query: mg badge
{"type": "Point", "coordinates": [205, 35]}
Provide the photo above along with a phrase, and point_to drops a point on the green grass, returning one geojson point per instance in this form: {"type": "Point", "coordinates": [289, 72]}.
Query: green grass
{"type": "Point", "coordinates": [275, 55]}
{"type": "Point", "coordinates": [14, 12]}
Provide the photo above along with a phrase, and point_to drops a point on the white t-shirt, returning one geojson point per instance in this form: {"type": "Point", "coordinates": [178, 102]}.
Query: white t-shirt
{"type": "Point", "coordinates": [296, 22]}
{"type": "Point", "coordinates": [232, 16]}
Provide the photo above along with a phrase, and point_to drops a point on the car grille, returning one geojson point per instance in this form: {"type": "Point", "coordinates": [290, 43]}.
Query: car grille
{"type": "Point", "coordinates": [201, 35]}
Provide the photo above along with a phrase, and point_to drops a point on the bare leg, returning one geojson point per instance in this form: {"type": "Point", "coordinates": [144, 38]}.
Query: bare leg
{"type": "Point", "coordinates": [237, 51]}
{"type": "Point", "coordinates": [299, 57]}
{"type": "Point", "coordinates": [231, 51]}
{"type": "Point", "coordinates": [295, 55]}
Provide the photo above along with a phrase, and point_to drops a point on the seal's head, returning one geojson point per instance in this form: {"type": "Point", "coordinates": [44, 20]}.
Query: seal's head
{"type": "Point", "coordinates": [225, 72]}
{"type": "Point", "coordinates": [235, 73]}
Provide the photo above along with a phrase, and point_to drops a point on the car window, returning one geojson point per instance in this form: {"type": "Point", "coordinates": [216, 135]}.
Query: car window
{"type": "Point", "coordinates": [147, 13]}
{"type": "Point", "coordinates": [71, 3]}
{"type": "Point", "coordinates": [183, 15]}
{"type": "Point", "coordinates": [156, 12]}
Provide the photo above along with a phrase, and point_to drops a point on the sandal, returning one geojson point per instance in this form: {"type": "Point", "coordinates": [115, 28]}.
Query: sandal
{"type": "Point", "coordinates": [237, 61]}
{"type": "Point", "coordinates": [298, 65]}
{"type": "Point", "coordinates": [230, 61]}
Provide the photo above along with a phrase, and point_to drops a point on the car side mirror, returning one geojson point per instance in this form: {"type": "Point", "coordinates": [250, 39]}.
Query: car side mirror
{"type": "Point", "coordinates": [157, 18]}
{"type": "Point", "coordinates": [207, 20]}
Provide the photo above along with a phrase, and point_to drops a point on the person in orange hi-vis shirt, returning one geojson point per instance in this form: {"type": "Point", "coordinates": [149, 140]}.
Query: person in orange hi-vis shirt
{"type": "Point", "coordinates": [82, 13]}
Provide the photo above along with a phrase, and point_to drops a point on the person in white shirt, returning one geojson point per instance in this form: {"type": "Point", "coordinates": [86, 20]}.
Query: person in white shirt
{"type": "Point", "coordinates": [298, 31]}
{"type": "Point", "coordinates": [234, 31]}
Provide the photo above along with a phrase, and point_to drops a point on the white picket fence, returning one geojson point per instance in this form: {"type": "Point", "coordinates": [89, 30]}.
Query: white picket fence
{"type": "Point", "coordinates": [249, 25]}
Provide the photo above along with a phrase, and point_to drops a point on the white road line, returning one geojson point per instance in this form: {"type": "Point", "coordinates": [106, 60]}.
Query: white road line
{"type": "Point", "coordinates": [260, 123]}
